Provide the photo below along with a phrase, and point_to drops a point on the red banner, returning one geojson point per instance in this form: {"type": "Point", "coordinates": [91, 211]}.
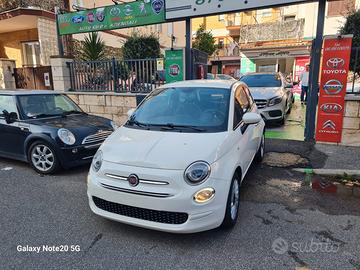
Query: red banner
{"type": "Point", "coordinates": [300, 63]}
{"type": "Point", "coordinates": [334, 73]}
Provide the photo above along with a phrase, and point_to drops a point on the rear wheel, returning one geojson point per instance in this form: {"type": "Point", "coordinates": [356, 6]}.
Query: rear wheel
{"type": "Point", "coordinates": [42, 158]}
{"type": "Point", "coordinates": [233, 202]}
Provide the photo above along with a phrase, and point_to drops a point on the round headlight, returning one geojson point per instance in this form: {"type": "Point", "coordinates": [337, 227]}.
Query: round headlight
{"type": "Point", "coordinates": [197, 172]}
{"type": "Point", "coordinates": [97, 161]}
{"type": "Point", "coordinates": [114, 125]}
{"type": "Point", "coordinates": [66, 136]}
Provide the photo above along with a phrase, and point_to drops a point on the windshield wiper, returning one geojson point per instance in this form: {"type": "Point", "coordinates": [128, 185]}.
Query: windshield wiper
{"type": "Point", "coordinates": [180, 127]}
{"type": "Point", "coordinates": [42, 115]}
{"type": "Point", "coordinates": [133, 122]}
{"type": "Point", "coordinates": [72, 112]}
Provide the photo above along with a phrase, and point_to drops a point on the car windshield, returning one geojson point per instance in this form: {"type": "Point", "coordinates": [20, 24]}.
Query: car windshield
{"type": "Point", "coordinates": [45, 105]}
{"type": "Point", "coordinates": [184, 109]}
{"type": "Point", "coordinates": [262, 80]}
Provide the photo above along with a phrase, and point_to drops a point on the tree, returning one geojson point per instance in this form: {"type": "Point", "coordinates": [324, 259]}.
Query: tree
{"type": "Point", "coordinates": [140, 46]}
{"type": "Point", "coordinates": [351, 26]}
{"type": "Point", "coordinates": [204, 41]}
{"type": "Point", "coordinates": [93, 48]}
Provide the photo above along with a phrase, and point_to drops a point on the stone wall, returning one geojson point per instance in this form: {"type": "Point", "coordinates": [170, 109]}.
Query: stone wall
{"type": "Point", "coordinates": [351, 127]}
{"type": "Point", "coordinates": [47, 39]}
{"type": "Point", "coordinates": [109, 105]}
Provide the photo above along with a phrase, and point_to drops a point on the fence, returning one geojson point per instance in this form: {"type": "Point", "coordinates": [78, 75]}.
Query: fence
{"type": "Point", "coordinates": [353, 85]}
{"type": "Point", "coordinates": [136, 76]}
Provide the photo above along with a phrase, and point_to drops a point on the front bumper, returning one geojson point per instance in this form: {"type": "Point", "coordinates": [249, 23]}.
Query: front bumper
{"type": "Point", "coordinates": [273, 113]}
{"type": "Point", "coordinates": [77, 155]}
{"type": "Point", "coordinates": [176, 212]}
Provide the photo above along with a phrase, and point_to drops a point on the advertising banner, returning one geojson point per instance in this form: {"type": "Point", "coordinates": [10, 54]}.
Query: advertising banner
{"type": "Point", "coordinates": [334, 73]}
{"type": "Point", "coordinates": [247, 65]}
{"type": "Point", "coordinates": [174, 65]}
{"type": "Point", "coordinates": [300, 63]}
{"type": "Point", "coordinates": [112, 17]}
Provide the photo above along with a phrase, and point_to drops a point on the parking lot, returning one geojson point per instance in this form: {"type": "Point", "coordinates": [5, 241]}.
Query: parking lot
{"type": "Point", "coordinates": [283, 225]}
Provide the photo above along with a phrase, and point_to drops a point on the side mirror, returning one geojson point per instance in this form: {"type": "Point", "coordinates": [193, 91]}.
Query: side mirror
{"type": "Point", "coordinates": [10, 117]}
{"type": "Point", "coordinates": [130, 112]}
{"type": "Point", "coordinates": [251, 118]}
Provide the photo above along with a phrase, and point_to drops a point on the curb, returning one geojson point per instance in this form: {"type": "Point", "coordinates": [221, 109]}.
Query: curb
{"type": "Point", "coordinates": [330, 172]}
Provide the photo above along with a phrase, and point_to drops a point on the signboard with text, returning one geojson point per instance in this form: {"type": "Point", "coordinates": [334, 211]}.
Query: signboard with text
{"type": "Point", "coordinates": [334, 73]}
{"type": "Point", "coordinates": [176, 9]}
{"type": "Point", "coordinates": [174, 65]}
{"type": "Point", "coordinates": [247, 65]}
{"type": "Point", "coordinates": [300, 63]}
{"type": "Point", "coordinates": [112, 17]}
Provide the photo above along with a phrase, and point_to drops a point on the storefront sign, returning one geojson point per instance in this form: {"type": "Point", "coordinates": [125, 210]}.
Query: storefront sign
{"type": "Point", "coordinates": [176, 9]}
{"type": "Point", "coordinates": [174, 65]}
{"type": "Point", "coordinates": [112, 17]}
{"type": "Point", "coordinates": [247, 65]}
{"type": "Point", "coordinates": [334, 73]}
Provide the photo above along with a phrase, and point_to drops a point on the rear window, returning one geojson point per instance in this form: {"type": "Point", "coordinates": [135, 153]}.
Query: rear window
{"type": "Point", "coordinates": [262, 80]}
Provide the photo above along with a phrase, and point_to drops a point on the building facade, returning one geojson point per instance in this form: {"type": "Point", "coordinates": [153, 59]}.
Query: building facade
{"type": "Point", "coordinates": [273, 39]}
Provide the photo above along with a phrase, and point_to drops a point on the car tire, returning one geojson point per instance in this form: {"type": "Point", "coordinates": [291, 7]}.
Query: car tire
{"type": "Point", "coordinates": [43, 158]}
{"type": "Point", "coordinates": [261, 151]}
{"type": "Point", "coordinates": [232, 204]}
{"type": "Point", "coordinates": [282, 121]}
{"type": "Point", "coordinates": [290, 108]}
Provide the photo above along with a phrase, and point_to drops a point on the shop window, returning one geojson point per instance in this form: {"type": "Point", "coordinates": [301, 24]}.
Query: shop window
{"type": "Point", "coordinates": [289, 18]}
{"type": "Point", "coordinates": [31, 53]}
{"type": "Point", "coordinates": [221, 18]}
{"type": "Point", "coordinates": [221, 43]}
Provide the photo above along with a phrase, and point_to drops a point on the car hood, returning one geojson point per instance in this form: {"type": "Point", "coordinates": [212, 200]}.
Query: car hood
{"type": "Point", "coordinates": [265, 92]}
{"type": "Point", "coordinates": [162, 149]}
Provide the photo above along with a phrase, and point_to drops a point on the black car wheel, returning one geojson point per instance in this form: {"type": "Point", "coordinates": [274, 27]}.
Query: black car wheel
{"type": "Point", "coordinates": [233, 202]}
{"type": "Point", "coordinates": [42, 158]}
{"type": "Point", "coordinates": [261, 152]}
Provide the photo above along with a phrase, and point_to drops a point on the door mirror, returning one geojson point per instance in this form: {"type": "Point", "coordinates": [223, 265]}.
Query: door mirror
{"type": "Point", "coordinates": [130, 112]}
{"type": "Point", "coordinates": [251, 118]}
{"type": "Point", "coordinates": [10, 117]}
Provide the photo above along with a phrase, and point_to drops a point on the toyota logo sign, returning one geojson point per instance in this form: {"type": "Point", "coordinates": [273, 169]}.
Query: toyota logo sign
{"type": "Point", "coordinates": [333, 87]}
{"type": "Point", "coordinates": [335, 63]}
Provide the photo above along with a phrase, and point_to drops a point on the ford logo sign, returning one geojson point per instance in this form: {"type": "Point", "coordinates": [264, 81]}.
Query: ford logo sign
{"type": "Point", "coordinates": [333, 87]}
{"type": "Point", "coordinates": [335, 63]}
{"type": "Point", "coordinates": [78, 19]}
{"type": "Point", "coordinates": [133, 180]}
{"type": "Point", "coordinates": [331, 108]}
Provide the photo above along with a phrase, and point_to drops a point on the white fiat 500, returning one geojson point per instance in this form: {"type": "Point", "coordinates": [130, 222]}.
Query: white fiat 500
{"type": "Point", "coordinates": [178, 162]}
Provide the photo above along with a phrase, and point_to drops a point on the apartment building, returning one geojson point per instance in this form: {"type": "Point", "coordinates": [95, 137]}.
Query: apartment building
{"type": "Point", "coordinates": [273, 39]}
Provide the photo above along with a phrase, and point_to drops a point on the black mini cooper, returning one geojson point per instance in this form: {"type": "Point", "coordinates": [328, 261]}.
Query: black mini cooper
{"type": "Point", "coordinates": [49, 130]}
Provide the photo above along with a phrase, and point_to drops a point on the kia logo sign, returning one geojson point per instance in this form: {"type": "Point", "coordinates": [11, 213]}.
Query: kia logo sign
{"type": "Point", "coordinates": [331, 108]}
{"type": "Point", "coordinates": [329, 125]}
{"type": "Point", "coordinates": [333, 87]}
{"type": "Point", "coordinates": [133, 180]}
{"type": "Point", "coordinates": [174, 70]}
{"type": "Point", "coordinates": [335, 63]}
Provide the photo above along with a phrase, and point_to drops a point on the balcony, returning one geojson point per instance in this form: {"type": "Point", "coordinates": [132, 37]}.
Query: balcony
{"type": "Point", "coordinates": [268, 31]}
{"type": "Point", "coordinates": [47, 5]}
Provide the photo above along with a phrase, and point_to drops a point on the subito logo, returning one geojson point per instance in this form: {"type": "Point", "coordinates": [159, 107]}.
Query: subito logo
{"type": "Point", "coordinates": [174, 70]}
{"type": "Point", "coordinates": [329, 125]}
{"type": "Point", "coordinates": [331, 108]}
{"type": "Point", "coordinates": [335, 63]}
{"type": "Point", "coordinates": [333, 87]}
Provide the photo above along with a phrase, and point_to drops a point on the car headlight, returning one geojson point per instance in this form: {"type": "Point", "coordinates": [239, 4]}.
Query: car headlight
{"type": "Point", "coordinates": [197, 172]}
{"type": "Point", "coordinates": [275, 100]}
{"type": "Point", "coordinates": [114, 125]}
{"type": "Point", "coordinates": [66, 136]}
{"type": "Point", "coordinates": [97, 161]}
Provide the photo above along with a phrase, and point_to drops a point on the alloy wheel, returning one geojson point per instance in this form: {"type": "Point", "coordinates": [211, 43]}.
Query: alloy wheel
{"type": "Point", "coordinates": [235, 194]}
{"type": "Point", "coordinates": [42, 158]}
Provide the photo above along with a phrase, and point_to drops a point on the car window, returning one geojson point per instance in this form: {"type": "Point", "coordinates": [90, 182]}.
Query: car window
{"type": "Point", "coordinates": [241, 103]}
{"type": "Point", "coordinates": [262, 80]}
{"type": "Point", "coordinates": [249, 96]}
{"type": "Point", "coordinates": [7, 103]}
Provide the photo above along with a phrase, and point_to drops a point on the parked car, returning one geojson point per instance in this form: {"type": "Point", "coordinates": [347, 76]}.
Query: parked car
{"type": "Point", "coordinates": [48, 130]}
{"type": "Point", "coordinates": [272, 93]}
{"type": "Point", "coordinates": [178, 163]}
{"type": "Point", "coordinates": [224, 77]}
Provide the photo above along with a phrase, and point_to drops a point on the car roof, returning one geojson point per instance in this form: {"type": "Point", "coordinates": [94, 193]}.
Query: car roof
{"type": "Point", "coordinates": [202, 84]}
{"type": "Point", "coordinates": [262, 73]}
{"type": "Point", "coordinates": [27, 92]}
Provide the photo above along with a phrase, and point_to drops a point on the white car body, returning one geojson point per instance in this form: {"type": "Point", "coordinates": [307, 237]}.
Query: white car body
{"type": "Point", "coordinates": [160, 158]}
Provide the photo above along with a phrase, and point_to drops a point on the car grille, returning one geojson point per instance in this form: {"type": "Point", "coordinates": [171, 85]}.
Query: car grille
{"type": "Point", "coordinates": [97, 137]}
{"type": "Point", "coordinates": [261, 103]}
{"type": "Point", "coordinates": [141, 213]}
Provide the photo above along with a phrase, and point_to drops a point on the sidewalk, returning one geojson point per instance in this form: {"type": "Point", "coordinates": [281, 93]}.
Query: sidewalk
{"type": "Point", "coordinates": [319, 156]}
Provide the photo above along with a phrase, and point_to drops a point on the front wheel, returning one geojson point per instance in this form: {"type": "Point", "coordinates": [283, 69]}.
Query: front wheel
{"type": "Point", "coordinates": [261, 151]}
{"type": "Point", "coordinates": [232, 205]}
{"type": "Point", "coordinates": [42, 158]}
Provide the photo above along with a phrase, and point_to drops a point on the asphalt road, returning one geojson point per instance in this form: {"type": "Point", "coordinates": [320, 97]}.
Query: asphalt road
{"type": "Point", "coordinates": [282, 225]}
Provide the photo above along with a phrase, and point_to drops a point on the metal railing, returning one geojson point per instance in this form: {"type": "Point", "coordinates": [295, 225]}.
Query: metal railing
{"type": "Point", "coordinates": [353, 85]}
{"type": "Point", "coordinates": [120, 76]}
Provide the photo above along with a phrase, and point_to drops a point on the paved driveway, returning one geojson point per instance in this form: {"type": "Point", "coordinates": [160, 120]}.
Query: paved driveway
{"type": "Point", "coordinates": [282, 225]}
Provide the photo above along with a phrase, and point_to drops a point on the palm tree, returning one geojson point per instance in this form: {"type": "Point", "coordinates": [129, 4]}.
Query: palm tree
{"type": "Point", "coordinates": [93, 48]}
